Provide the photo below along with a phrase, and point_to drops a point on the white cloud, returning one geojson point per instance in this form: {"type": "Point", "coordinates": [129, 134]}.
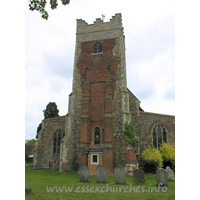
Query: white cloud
{"type": "Point", "coordinates": [150, 80]}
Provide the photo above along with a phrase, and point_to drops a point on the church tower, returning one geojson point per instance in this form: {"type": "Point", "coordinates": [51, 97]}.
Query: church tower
{"type": "Point", "coordinates": [99, 102]}
{"type": "Point", "coordinates": [91, 132]}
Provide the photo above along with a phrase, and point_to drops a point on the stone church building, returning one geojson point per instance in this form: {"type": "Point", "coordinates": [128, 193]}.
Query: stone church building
{"type": "Point", "coordinates": [99, 104]}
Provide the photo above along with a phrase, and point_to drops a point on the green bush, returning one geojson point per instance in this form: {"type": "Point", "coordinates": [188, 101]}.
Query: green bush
{"type": "Point", "coordinates": [151, 160]}
{"type": "Point", "coordinates": [129, 134]}
{"type": "Point", "coordinates": [168, 155]}
{"type": "Point", "coordinates": [150, 166]}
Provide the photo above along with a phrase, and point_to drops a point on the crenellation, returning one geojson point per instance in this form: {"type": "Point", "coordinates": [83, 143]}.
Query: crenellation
{"type": "Point", "coordinates": [99, 26]}
{"type": "Point", "coordinates": [81, 22]}
{"type": "Point", "coordinates": [117, 19]}
{"type": "Point", "coordinates": [98, 21]}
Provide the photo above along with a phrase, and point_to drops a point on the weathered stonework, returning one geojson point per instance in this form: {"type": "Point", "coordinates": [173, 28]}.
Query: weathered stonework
{"type": "Point", "coordinates": [143, 127]}
{"type": "Point", "coordinates": [44, 157]}
{"type": "Point", "coordinates": [99, 105]}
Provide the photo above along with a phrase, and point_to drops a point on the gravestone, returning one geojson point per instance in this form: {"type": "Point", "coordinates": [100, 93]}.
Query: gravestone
{"type": "Point", "coordinates": [162, 177]}
{"type": "Point", "coordinates": [84, 174]}
{"type": "Point", "coordinates": [101, 174]}
{"type": "Point", "coordinates": [138, 176]}
{"type": "Point", "coordinates": [120, 175]}
{"type": "Point", "coordinates": [170, 172]}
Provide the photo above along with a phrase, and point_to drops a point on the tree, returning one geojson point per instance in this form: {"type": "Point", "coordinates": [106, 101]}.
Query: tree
{"type": "Point", "coordinates": [51, 110]}
{"type": "Point", "coordinates": [129, 134]}
{"type": "Point", "coordinates": [39, 5]}
{"type": "Point", "coordinates": [29, 146]}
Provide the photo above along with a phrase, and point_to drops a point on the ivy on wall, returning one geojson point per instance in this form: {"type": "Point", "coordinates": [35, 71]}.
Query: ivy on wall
{"type": "Point", "coordinates": [129, 134]}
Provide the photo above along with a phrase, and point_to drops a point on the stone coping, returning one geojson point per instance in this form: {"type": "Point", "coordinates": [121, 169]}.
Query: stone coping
{"type": "Point", "coordinates": [150, 113]}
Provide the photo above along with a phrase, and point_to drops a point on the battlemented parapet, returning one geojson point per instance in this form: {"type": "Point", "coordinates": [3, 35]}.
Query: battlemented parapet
{"type": "Point", "coordinates": [99, 25]}
{"type": "Point", "coordinates": [99, 30]}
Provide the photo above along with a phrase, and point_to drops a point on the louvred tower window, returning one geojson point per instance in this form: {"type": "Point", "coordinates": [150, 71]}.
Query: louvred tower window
{"type": "Point", "coordinates": [97, 48]}
{"type": "Point", "coordinates": [96, 135]}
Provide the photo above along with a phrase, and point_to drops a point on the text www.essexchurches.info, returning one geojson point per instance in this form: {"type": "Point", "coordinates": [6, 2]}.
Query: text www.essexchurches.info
{"type": "Point", "coordinates": [107, 188]}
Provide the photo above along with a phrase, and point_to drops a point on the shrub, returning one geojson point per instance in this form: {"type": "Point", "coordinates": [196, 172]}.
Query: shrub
{"type": "Point", "coordinates": [150, 166]}
{"type": "Point", "coordinates": [168, 155]}
{"type": "Point", "coordinates": [152, 159]}
{"type": "Point", "coordinates": [129, 134]}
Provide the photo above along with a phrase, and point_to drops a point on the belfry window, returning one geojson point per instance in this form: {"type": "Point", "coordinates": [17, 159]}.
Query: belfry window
{"type": "Point", "coordinates": [97, 135]}
{"type": "Point", "coordinates": [57, 137]}
{"type": "Point", "coordinates": [159, 133]}
{"type": "Point", "coordinates": [97, 48]}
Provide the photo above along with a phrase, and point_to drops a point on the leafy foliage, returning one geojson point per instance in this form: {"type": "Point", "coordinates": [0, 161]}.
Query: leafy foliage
{"type": "Point", "coordinates": [39, 5]}
{"type": "Point", "coordinates": [29, 146]}
{"type": "Point", "coordinates": [38, 129]}
{"type": "Point", "coordinates": [129, 134]}
{"type": "Point", "coordinates": [152, 159]}
{"type": "Point", "coordinates": [51, 110]}
{"type": "Point", "coordinates": [150, 166]}
{"type": "Point", "coordinates": [168, 154]}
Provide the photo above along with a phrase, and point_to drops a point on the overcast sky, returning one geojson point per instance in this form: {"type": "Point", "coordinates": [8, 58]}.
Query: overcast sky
{"type": "Point", "coordinates": [149, 28]}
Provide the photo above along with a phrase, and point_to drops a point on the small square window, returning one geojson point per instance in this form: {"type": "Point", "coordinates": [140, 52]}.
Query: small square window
{"type": "Point", "coordinates": [94, 159]}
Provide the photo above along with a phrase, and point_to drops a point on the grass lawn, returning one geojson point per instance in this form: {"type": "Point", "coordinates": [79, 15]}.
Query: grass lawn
{"type": "Point", "coordinates": [38, 181]}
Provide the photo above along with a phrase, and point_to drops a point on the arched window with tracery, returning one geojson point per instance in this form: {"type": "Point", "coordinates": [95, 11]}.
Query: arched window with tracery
{"type": "Point", "coordinates": [97, 136]}
{"type": "Point", "coordinates": [159, 133]}
{"type": "Point", "coordinates": [97, 48]}
{"type": "Point", "coordinates": [57, 137]}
